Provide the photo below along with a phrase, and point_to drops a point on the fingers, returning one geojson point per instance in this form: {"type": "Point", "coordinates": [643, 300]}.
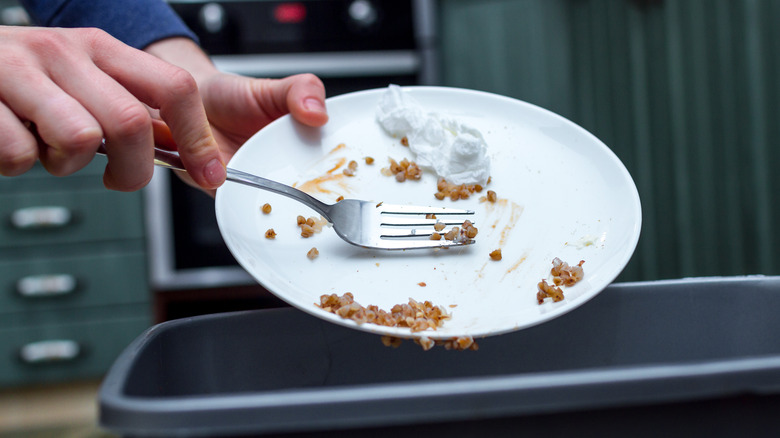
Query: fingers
{"type": "Point", "coordinates": [80, 86]}
{"type": "Point", "coordinates": [125, 122]}
{"type": "Point", "coordinates": [19, 148]}
{"type": "Point", "coordinates": [239, 106]}
{"type": "Point", "coordinates": [163, 138]}
{"type": "Point", "coordinates": [305, 99]}
{"type": "Point", "coordinates": [67, 128]}
{"type": "Point", "coordinates": [174, 92]}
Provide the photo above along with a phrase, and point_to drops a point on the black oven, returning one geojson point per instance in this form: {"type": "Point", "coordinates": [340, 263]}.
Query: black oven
{"type": "Point", "coordinates": [350, 44]}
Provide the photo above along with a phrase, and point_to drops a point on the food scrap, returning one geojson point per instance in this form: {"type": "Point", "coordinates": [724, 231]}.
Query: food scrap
{"type": "Point", "coordinates": [459, 343]}
{"type": "Point", "coordinates": [496, 255]}
{"type": "Point", "coordinates": [545, 290]}
{"type": "Point", "coordinates": [313, 253]}
{"type": "Point", "coordinates": [270, 234]}
{"type": "Point", "coordinates": [562, 275]}
{"type": "Point", "coordinates": [311, 225]}
{"type": "Point", "coordinates": [351, 168]}
{"type": "Point", "coordinates": [402, 170]}
{"type": "Point", "coordinates": [464, 233]}
{"type": "Point", "coordinates": [445, 189]}
{"type": "Point", "coordinates": [449, 147]}
{"type": "Point", "coordinates": [266, 208]}
{"type": "Point", "coordinates": [418, 316]}
{"type": "Point", "coordinates": [566, 275]}
{"type": "Point", "coordinates": [391, 341]}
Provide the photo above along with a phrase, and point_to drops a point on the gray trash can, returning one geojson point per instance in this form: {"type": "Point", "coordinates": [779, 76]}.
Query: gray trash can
{"type": "Point", "coordinates": [690, 357]}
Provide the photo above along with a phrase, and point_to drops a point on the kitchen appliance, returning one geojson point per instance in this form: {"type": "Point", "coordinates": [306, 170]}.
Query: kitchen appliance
{"type": "Point", "coordinates": [349, 44]}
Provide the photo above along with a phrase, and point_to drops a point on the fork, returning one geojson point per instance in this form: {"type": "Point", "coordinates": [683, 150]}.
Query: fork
{"type": "Point", "coordinates": [361, 223]}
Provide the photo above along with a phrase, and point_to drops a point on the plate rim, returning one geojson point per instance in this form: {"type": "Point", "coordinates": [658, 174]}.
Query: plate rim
{"type": "Point", "coordinates": [628, 253]}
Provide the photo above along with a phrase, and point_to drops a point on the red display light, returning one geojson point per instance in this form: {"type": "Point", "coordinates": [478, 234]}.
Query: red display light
{"type": "Point", "coordinates": [290, 13]}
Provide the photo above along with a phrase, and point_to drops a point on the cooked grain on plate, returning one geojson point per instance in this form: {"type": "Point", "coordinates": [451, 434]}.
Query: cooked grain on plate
{"type": "Point", "coordinates": [313, 253]}
{"type": "Point", "coordinates": [464, 233]}
{"type": "Point", "coordinates": [270, 234]}
{"type": "Point", "coordinates": [545, 290]}
{"type": "Point", "coordinates": [306, 230]}
{"type": "Point", "coordinates": [266, 208]}
{"type": "Point", "coordinates": [445, 189]}
{"type": "Point", "coordinates": [496, 254]}
{"type": "Point", "coordinates": [351, 168]}
{"type": "Point", "coordinates": [566, 275]}
{"type": "Point", "coordinates": [311, 225]}
{"type": "Point", "coordinates": [415, 315]}
{"type": "Point", "coordinates": [402, 170]}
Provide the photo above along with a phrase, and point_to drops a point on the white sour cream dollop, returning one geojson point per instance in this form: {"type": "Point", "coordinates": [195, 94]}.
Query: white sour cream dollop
{"type": "Point", "coordinates": [455, 151]}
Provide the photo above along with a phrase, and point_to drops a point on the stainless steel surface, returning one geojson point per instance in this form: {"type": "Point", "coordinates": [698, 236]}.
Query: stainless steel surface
{"type": "Point", "coordinates": [361, 223]}
{"type": "Point", "coordinates": [324, 65]}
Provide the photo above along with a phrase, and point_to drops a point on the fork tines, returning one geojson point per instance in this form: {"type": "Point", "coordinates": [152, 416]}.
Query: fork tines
{"type": "Point", "coordinates": [409, 221]}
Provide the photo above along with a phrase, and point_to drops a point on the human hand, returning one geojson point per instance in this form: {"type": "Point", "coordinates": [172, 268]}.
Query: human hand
{"type": "Point", "coordinates": [80, 86]}
{"type": "Point", "coordinates": [239, 106]}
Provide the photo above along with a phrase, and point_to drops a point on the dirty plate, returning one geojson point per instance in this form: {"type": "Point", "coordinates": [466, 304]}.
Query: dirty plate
{"type": "Point", "coordinates": [562, 193]}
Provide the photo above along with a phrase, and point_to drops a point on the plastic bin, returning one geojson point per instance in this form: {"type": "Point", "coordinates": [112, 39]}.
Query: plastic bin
{"type": "Point", "coordinates": [683, 357]}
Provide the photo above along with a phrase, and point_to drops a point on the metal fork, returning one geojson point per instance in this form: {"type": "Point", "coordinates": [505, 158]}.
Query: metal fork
{"type": "Point", "coordinates": [361, 223]}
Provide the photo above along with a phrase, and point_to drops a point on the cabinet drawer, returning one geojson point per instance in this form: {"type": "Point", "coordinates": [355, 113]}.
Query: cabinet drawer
{"type": "Point", "coordinates": [69, 282]}
{"type": "Point", "coordinates": [55, 353]}
{"type": "Point", "coordinates": [38, 179]}
{"type": "Point", "coordinates": [69, 217]}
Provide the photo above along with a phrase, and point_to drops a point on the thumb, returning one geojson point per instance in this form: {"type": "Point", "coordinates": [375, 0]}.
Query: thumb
{"type": "Point", "coordinates": [306, 99]}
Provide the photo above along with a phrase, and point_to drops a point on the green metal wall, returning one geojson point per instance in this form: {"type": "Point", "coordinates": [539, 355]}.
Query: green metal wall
{"type": "Point", "coordinates": [686, 92]}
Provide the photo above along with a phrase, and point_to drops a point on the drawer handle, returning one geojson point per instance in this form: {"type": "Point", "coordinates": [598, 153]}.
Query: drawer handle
{"type": "Point", "coordinates": [39, 286]}
{"type": "Point", "coordinates": [58, 350]}
{"type": "Point", "coordinates": [41, 217]}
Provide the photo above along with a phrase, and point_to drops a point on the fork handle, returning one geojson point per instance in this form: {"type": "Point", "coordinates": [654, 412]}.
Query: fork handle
{"type": "Point", "coordinates": [162, 158]}
{"type": "Point", "coordinates": [171, 160]}
{"type": "Point", "coordinates": [259, 182]}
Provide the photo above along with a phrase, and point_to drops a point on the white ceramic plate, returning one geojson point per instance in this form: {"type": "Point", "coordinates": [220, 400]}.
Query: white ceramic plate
{"type": "Point", "coordinates": [563, 194]}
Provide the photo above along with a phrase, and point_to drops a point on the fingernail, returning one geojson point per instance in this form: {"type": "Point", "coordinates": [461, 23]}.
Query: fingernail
{"type": "Point", "coordinates": [215, 172]}
{"type": "Point", "coordinates": [314, 104]}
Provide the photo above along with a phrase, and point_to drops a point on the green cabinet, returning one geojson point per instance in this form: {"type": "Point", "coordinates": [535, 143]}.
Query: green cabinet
{"type": "Point", "coordinates": [73, 278]}
{"type": "Point", "coordinates": [686, 92]}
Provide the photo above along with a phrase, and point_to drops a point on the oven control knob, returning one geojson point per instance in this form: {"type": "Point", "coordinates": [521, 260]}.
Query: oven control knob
{"type": "Point", "coordinates": [212, 17]}
{"type": "Point", "coordinates": [363, 13]}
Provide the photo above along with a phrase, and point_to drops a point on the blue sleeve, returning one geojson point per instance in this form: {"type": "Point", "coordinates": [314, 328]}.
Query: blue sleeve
{"type": "Point", "coordinates": [137, 23]}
